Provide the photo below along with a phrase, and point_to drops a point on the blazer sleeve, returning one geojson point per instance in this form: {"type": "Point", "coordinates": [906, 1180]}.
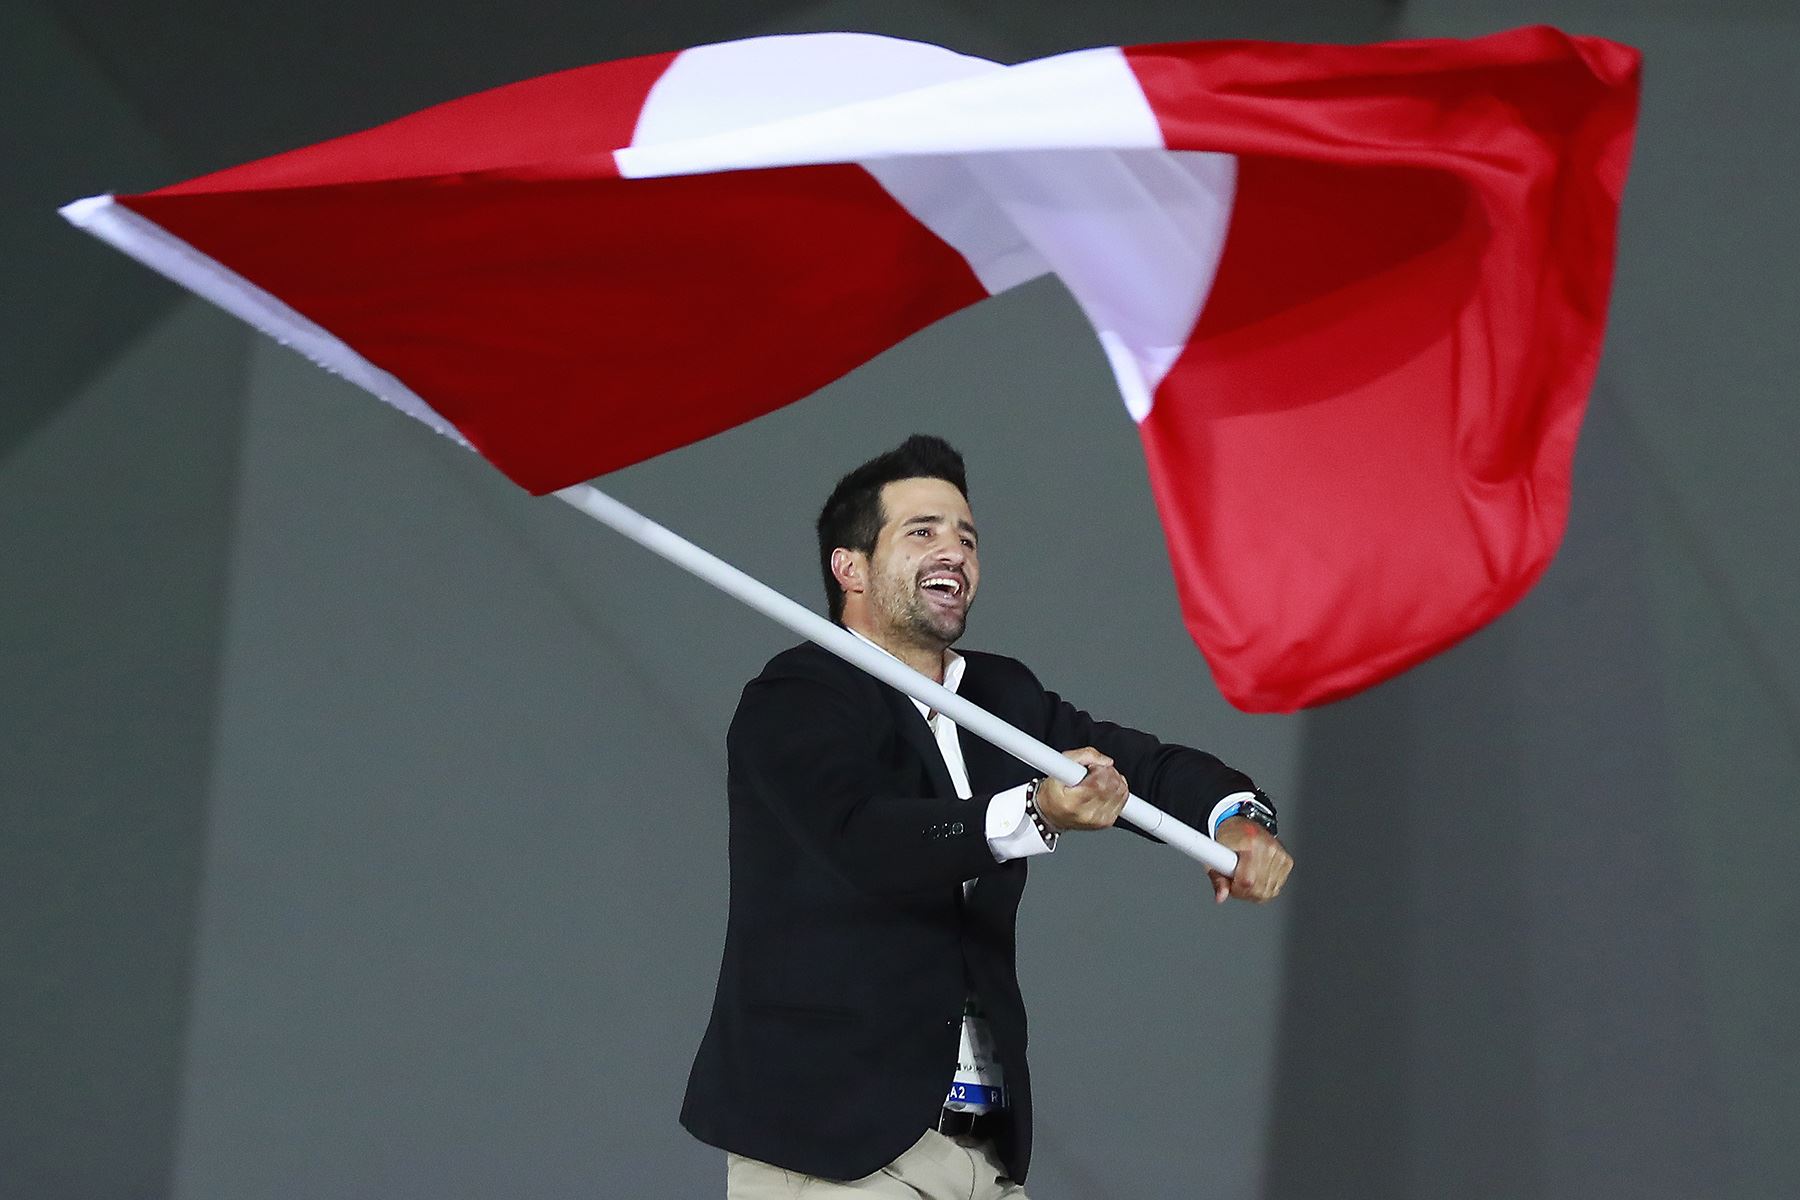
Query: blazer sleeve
{"type": "Point", "coordinates": [810, 752]}
{"type": "Point", "coordinates": [1182, 781]}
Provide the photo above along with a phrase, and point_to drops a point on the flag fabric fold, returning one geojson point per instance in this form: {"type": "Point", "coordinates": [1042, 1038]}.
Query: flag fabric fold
{"type": "Point", "coordinates": [1352, 296]}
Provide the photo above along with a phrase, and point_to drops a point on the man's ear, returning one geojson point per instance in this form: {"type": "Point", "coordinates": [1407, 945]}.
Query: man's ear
{"type": "Point", "coordinates": [851, 569]}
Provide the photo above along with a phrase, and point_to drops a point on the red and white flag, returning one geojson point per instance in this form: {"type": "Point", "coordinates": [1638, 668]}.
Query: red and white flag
{"type": "Point", "coordinates": [1353, 296]}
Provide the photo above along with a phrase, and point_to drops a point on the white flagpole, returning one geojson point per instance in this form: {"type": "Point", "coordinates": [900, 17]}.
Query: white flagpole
{"type": "Point", "coordinates": [885, 667]}
{"type": "Point", "coordinates": [141, 239]}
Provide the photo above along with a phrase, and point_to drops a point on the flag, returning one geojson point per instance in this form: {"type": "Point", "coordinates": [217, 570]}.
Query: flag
{"type": "Point", "coordinates": [1353, 296]}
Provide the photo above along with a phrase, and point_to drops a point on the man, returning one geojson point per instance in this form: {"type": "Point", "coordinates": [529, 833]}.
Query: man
{"type": "Point", "coordinates": [868, 1035]}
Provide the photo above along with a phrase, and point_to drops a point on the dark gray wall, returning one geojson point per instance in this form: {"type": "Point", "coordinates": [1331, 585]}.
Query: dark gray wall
{"type": "Point", "coordinates": [360, 817]}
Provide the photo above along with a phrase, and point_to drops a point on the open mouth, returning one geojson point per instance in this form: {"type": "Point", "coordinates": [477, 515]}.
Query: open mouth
{"type": "Point", "coordinates": [945, 591]}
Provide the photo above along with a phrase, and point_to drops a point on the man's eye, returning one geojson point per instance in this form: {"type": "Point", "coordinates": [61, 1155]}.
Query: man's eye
{"type": "Point", "coordinates": [921, 530]}
{"type": "Point", "coordinates": [969, 542]}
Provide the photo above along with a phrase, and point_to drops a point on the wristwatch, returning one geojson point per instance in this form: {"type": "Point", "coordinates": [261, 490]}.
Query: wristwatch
{"type": "Point", "coordinates": [1258, 810]}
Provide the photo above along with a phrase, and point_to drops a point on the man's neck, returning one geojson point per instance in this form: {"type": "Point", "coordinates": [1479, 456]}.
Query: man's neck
{"type": "Point", "coordinates": [926, 660]}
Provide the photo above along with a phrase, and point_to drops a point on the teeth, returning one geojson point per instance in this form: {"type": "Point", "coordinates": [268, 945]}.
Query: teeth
{"type": "Point", "coordinates": [949, 585]}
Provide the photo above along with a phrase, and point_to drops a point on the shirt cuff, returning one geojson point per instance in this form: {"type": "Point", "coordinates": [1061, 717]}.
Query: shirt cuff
{"type": "Point", "coordinates": [1010, 833]}
{"type": "Point", "coordinates": [1221, 809]}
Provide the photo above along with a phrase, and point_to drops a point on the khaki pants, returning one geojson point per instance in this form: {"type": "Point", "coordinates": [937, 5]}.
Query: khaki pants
{"type": "Point", "coordinates": [936, 1168]}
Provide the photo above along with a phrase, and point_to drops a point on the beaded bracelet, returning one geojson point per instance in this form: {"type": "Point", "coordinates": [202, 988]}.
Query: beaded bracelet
{"type": "Point", "coordinates": [1037, 818]}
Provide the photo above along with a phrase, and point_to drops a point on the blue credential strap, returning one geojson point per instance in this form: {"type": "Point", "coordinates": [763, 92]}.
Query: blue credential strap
{"type": "Point", "coordinates": [976, 1093]}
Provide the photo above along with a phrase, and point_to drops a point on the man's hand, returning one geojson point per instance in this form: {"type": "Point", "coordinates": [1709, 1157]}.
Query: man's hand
{"type": "Point", "coordinates": [1262, 867]}
{"type": "Point", "coordinates": [1094, 803]}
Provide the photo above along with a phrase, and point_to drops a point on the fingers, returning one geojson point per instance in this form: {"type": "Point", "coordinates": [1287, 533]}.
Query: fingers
{"type": "Point", "coordinates": [1262, 870]}
{"type": "Point", "coordinates": [1089, 758]}
{"type": "Point", "coordinates": [1263, 862]}
{"type": "Point", "coordinates": [1110, 791]}
{"type": "Point", "coordinates": [1221, 887]}
{"type": "Point", "coordinates": [1105, 792]}
{"type": "Point", "coordinates": [1094, 803]}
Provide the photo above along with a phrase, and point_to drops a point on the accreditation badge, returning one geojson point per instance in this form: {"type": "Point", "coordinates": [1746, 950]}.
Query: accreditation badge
{"type": "Point", "coordinates": [978, 1086]}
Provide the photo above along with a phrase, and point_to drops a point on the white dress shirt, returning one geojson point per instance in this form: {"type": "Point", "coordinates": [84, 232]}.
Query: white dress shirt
{"type": "Point", "coordinates": [1010, 833]}
{"type": "Point", "coordinates": [979, 1084]}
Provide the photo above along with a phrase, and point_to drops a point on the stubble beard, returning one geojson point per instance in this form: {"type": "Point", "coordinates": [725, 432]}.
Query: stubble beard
{"type": "Point", "coordinates": [911, 620]}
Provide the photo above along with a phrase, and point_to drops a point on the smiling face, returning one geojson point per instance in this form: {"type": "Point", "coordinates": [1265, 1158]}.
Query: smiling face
{"type": "Point", "coordinates": [916, 588]}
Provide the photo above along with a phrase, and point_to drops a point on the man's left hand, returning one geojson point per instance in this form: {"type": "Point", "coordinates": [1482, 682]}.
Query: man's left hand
{"type": "Point", "coordinates": [1262, 867]}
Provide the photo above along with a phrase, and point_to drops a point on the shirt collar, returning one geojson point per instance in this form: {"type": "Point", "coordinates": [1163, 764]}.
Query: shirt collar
{"type": "Point", "coordinates": [954, 665]}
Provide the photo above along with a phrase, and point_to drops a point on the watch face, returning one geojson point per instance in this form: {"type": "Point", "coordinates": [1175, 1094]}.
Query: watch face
{"type": "Point", "coordinates": [1259, 812]}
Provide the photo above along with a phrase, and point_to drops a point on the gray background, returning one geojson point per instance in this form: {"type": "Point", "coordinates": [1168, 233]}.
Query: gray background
{"type": "Point", "coordinates": [361, 818]}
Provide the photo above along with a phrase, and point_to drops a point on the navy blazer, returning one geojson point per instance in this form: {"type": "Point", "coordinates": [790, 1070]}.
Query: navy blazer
{"type": "Point", "coordinates": [849, 946]}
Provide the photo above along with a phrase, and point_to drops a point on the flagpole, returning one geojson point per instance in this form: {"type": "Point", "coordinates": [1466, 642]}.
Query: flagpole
{"type": "Point", "coordinates": [885, 667]}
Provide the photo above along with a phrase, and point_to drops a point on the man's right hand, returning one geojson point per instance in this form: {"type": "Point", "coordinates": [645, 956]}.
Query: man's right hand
{"type": "Point", "coordinates": [1094, 803]}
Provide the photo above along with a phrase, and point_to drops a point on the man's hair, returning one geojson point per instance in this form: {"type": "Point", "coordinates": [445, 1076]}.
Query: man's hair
{"type": "Point", "coordinates": [853, 516]}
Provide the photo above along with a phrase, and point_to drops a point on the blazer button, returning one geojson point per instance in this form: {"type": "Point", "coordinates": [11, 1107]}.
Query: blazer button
{"type": "Point", "coordinates": [957, 827]}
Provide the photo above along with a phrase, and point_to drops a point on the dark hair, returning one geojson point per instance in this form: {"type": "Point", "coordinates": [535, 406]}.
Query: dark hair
{"type": "Point", "coordinates": [853, 516]}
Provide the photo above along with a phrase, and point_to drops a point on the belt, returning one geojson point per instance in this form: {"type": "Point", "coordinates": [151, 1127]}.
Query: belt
{"type": "Point", "coordinates": [953, 1123]}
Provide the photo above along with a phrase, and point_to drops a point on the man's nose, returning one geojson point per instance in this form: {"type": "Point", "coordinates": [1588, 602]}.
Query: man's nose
{"type": "Point", "coordinates": [951, 552]}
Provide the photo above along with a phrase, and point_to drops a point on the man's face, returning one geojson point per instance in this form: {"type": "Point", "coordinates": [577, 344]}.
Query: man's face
{"type": "Point", "coordinates": [923, 573]}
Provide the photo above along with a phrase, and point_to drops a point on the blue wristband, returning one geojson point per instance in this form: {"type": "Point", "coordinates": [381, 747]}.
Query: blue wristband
{"type": "Point", "coordinates": [1225, 816]}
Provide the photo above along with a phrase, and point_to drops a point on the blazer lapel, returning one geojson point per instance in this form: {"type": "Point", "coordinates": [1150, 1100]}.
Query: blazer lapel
{"type": "Point", "coordinates": [991, 769]}
{"type": "Point", "coordinates": [917, 734]}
